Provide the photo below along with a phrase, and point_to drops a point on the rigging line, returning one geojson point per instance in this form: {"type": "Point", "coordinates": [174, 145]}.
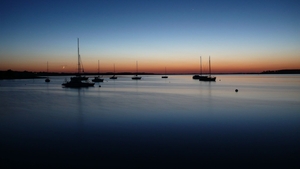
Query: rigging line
{"type": "Point", "coordinates": [81, 65]}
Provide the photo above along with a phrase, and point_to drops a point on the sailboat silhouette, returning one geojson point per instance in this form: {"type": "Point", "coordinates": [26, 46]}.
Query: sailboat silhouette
{"type": "Point", "coordinates": [208, 78]}
{"type": "Point", "coordinates": [165, 76]}
{"type": "Point", "coordinates": [114, 76]}
{"type": "Point", "coordinates": [47, 79]}
{"type": "Point", "coordinates": [136, 77]}
{"type": "Point", "coordinates": [78, 81]}
{"type": "Point", "coordinates": [97, 78]}
{"type": "Point", "coordinates": [200, 76]}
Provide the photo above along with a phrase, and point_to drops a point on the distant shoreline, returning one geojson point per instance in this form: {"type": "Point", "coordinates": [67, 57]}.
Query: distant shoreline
{"type": "Point", "coordinates": [10, 74]}
{"type": "Point", "coordinates": [283, 71]}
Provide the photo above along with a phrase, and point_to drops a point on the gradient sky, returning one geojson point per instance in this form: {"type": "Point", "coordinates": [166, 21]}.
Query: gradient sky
{"type": "Point", "coordinates": [240, 36]}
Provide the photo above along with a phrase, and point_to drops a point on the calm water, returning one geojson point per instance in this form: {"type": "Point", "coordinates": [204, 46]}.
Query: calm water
{"type": "Point", "coordinates": [152, 123]}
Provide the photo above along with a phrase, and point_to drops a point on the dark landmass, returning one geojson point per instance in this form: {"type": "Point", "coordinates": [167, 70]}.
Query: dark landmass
{"type": "Point", "coordinates": [10, 74]}
{"type": "Point", "coordinates": [283, 71]}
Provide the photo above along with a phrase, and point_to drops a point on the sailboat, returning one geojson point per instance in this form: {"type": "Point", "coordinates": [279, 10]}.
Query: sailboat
{"type": "Point", "coordinates": [114, 76]}
{"type": "Point", "coordinates": [97, 78]}
{"type": "Point", "coordinates": [80, 67]}
{"type": "Point", "coordinates": [165, 76]}
{"type": "Point", "coordinates": [200, 76]}
{"type": "Point", "coordinates": [78, 80]}
{"type": "Point", "coordinates": [47, 78]}
{"type": "Point", "coordinates": [136, 77]}
{"type": "Point", "coordinates": [208, 78]}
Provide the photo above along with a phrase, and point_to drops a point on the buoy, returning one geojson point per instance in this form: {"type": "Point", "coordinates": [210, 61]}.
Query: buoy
{"type": "Point", "coordinates": [99, 85]}
{"type": "Point", "coordinates": [236, 90]}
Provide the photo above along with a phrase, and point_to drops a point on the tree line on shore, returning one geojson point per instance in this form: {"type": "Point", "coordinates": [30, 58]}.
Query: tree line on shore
{"type": "Point", "coordinates": [10, 74]}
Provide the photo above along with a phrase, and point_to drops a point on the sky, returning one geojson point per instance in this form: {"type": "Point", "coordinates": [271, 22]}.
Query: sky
{"type": "Point", "coordinates": [239, 36]}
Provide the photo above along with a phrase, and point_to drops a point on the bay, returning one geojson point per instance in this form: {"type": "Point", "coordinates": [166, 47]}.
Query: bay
{"type": "Point", "coordinates": [153, 122]}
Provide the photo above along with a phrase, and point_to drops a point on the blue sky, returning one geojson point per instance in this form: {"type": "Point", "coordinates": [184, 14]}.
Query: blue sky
{"type": "Point", "coordinates": [149, 31]}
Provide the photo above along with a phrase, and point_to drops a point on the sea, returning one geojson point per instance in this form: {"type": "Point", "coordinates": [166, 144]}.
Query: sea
{"type": "Point", "coordinates": [176, 122]}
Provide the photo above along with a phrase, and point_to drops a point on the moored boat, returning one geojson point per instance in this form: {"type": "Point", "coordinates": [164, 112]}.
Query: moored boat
{"type": "Point", "coordinates": [78, 81]}
{"type": "Point", "coordinates": [47, 78]}
{"type": "Point", "coordinates": [208, 78]}
{"type": "Point", "coordinates": [97, 78]}
{"type": "Point", "coordinates": [114, 77]}
{"type": "Point", "coordinates": [80, 77]}
{"type": "Point", "coordinates": [165, 76]}
{"type": "Point", "coordinates": [136, 77]}
{"type": "Point", "coordinates": [200, 76]}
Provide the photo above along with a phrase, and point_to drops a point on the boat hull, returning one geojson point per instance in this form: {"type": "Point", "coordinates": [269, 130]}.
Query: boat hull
{"type": "Point", "coordinates": [136, 78]}
{"type": "Point", "coordinates": [97, 79]}
{"type": "Point", "coordinates": [199, 77]}
{"type": "Point", "coordinates": [113, 77]}
{"type": "Point", "coordinates": [79, 78]}
{"type": "Point", "coordinates": [77, 83]}
{"type": "Point", "coordinates": [208, 79]}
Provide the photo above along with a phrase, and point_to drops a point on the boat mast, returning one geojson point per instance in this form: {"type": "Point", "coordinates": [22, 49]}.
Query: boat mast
{"type": "Point", "coordinates": [98, 67]}
{"type": "Point", "coordinates": [47, 67]}
{"type": "Point", "coordinates": [200, 66]}
{"type": "Point", "coordinates": [209, 68]}
{"type": "Point", "coordinates": [136, 67]}
{"type": "Point", "coordinates": [79, 68]}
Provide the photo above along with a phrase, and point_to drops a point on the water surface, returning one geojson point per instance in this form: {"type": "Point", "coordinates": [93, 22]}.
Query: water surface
{"type": "Point", "coordinates": [153, 122]}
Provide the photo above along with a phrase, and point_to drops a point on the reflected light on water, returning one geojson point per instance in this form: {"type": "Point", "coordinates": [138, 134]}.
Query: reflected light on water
{"type": "Point", "coordinates": [174, 121]}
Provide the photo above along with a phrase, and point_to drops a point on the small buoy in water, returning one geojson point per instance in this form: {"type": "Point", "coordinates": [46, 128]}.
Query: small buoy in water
{"type": "Point", "coordinates": [236, 90]}
{"type": "Point", "coordinates": [99, 85]}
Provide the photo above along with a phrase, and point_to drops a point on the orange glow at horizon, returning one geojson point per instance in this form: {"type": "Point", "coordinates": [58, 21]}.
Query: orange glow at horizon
{"type": "Point", "coordinates": [217, 66]}
{"type": "Point", "coordinates": [220, 63]}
